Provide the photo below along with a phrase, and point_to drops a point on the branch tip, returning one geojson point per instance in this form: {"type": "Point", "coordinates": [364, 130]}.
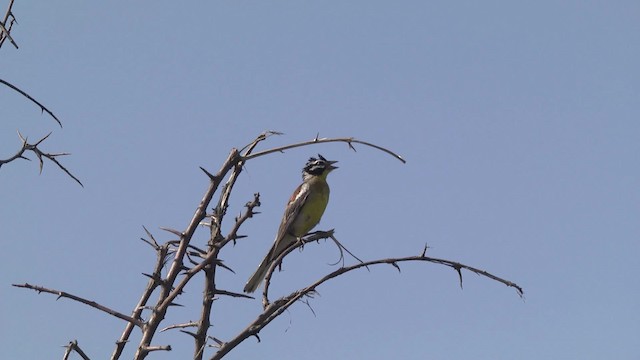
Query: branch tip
{"type": "Point", "coordinates": [23, 93]}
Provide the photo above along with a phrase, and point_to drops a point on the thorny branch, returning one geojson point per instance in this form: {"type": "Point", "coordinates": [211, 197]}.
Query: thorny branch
{"type": "Point", "coordinates": [350, 141]}
{"type": "Point", "coordinates": [26, 146]}
{"type": "Point", "coordinates": [155, 280]}
{"type": "Point", "coordinates": [93, 304]}
{"type": "Point", "coordinates": [316, 236]}
{"type": "Point", "coordinates": [273, 310]}
{"type": "Point", "coordinates": [182, 260]}
{"type": "Point", "coordinates": [216, 243]}
{"type": "Point", "coordinates": [319, 235]}
{"type": "Point", "coordinates": [167, 292]}
{"type": "Point", "coordinates": [5, 30]}
{"type": "Point", "coordinates": [6, 25]}
{"type": "Point", "coordinates": [23, 93]}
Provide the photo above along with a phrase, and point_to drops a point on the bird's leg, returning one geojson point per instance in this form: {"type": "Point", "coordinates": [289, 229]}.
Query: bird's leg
{"type": "Point", "coordinates": [300, 242]}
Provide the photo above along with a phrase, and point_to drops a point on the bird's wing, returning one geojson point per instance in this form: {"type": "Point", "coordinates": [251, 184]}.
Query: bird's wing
{"type": "Point", "coordinates": [297, 200]}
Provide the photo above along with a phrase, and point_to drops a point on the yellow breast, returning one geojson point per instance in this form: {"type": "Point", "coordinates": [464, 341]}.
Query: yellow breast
{"type": "Point", "coordinates": [313, 208]}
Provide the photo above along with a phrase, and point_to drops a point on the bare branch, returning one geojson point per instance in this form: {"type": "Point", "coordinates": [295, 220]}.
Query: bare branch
{"type": "Point", "coordinates": [93, 304]}
{"type": "Point", "coordinates": [52, 158]}
{"type": "Point", "coordinates": [273, 310]}
{"type": "Point", "coordinates": [313, 237]}
{"type": "Point", "coordinates": [248, 213]}
{"type": "Point", "coordinates": [210, 268]}
{"type": "Point", "coordinates": [5, 32]}
{"type": "Point", "coordinates": [168, 293]}
{"type": "Point", "coordinates": [155, 280]}
{"type": "Point", "coordinates": [23, 93]}
{"type": "Point", "coordinates": [39, 154]}
{"type": "Point", "coordinates": [19, 154]}
{"type": "Point", "coordinates": [341, 247]}
{"type": "Point", "coordinates": [349, 141]}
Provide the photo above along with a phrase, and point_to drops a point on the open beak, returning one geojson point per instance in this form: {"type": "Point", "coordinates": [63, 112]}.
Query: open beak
{"type": "Point", "coordinates": [331, 165]}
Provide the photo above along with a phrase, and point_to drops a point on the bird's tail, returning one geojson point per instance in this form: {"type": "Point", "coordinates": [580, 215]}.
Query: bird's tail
{"type": "Point", "coordinates": [280, 245]}
{"type": "Point", "coordinates": [255, 279]}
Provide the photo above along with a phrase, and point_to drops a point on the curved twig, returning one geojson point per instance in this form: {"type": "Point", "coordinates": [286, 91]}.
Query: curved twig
{"type": "Point", "coordinates": [39, 154]}
{"type": "Point", "coordinates": [342, 249]}
{"type": "Point", "coordinates": [315, 236]}
{"type": "Point", "coordinates": [273, 310]}
{"type": "Point", "coordinates": [93, 304]}
{"type": "Point", "coordinates": [42, 107]}
{"type": "Point", "coordinates": [350, 141]}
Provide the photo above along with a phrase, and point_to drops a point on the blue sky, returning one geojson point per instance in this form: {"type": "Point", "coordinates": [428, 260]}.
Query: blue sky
{"type": "Point", "coordinates": [519, 122]}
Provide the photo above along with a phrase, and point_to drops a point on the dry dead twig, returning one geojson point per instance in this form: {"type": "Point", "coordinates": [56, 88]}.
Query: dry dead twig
{"type": "Point", "coordinates": [25, 94]}
{"type": "Point", "coordinates": [274, 309]}
{"type": "Point", "coordinates": [93, 304]}
{"type": "Point", "coordinates": [26, 146]}
{"type": "Point", "coordinates": [5, 30]}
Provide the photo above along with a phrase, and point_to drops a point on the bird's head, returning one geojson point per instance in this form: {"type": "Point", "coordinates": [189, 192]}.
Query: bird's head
{"type": "Point", "coordinates": [318, 167]}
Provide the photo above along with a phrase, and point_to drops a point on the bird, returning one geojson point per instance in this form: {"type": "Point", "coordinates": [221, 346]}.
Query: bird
{"type": "Point", "coordinates": [302, 213]}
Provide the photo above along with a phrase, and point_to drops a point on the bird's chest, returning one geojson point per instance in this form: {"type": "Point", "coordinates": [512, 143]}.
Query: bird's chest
{"type": "Point", "coordinates": [312, 210]}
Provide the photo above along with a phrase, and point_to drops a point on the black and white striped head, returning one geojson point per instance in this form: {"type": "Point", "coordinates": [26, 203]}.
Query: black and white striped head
{"type": "Point", "coordinates": [318, 167]}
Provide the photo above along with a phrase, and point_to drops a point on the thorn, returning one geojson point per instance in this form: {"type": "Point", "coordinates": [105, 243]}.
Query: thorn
{"type": "Point", "coordinates": [424, 251]}
{"type": "Point", "coordinates": [197, 249]}
{"type": "Point", "coordinates": [154, 278]}
{"type": "Point", "coordinates": [150, 235]}
{"type": "Point", "coordinates": [24, 140]}
{"type": "Point", "coordinates": [39, 156]}
{"type": "Point", "coordinates": [210, 175]}
{"type": "Point", "coordinates": [149, 242]}
{"type": "Point", "coordinates": [459, 275]}
{"type": "Point", "coordinates": [219, 263]}
{"type": "Point", "coordinates": [173, 231]}
{"type": "Point", "coordinates": [43, 139]}
{"type": "Point", "coordinates": [257, 337]}
{"type": "Point", "coordinates": [189, 333]}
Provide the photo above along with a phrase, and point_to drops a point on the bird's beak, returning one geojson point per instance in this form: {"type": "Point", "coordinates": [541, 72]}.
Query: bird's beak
{"type": "Point", "coordinates": [331, 165]}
